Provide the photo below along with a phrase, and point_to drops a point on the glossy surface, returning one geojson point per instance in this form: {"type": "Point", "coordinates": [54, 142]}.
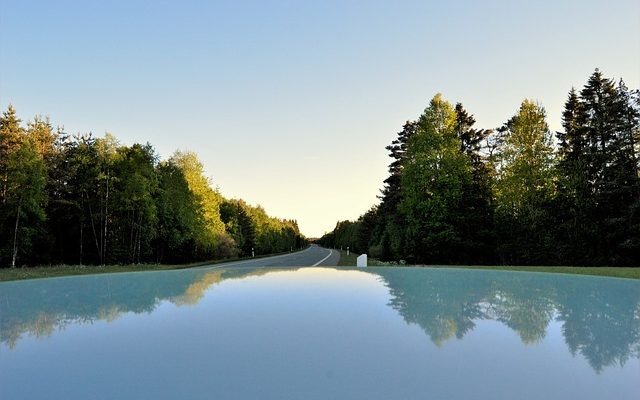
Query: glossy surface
{"type": "Point", "coordinates": [380, 333]}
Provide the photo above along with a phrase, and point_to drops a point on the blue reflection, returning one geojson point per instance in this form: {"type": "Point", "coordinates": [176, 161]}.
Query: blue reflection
{"type": "Point", "coordinates": [320, 333]}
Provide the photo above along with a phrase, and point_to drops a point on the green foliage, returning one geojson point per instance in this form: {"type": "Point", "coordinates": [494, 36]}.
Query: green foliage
{"type": "Point", "coordinates": [525, 187]}
{"type": "Point", "coordinates": [459, 195]}
{"type": "Point", "coordinates": [86, 200]}
{"type": "Point", "coordinates": [599, 181]}
{"type": "Point", "coordinates": [177, 213]}
{"type": "Point", "coordinates": [207, 198]}
{"type": "Point", "coordinates": [23, 205]}
{"type": "Point", "coordinates": [433, 182]}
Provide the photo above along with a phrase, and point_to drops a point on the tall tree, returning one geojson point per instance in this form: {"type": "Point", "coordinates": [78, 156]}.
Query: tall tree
{"type": "Point", "coordinates": [476, 207]}
{"type": "Point", "coordinates": [390, 226]}
{"type": "Point", "coordinates": [574, 203]}
{"type": "Point", "coordinates": [433, 181]}
{"type": "Point", "coordinates": [177, 215]}
{"type": "Point", "coordinates": [42, 136]}
{"type": "Point", "coordinates": [525, 187]}
{"type": "Point", "coordinates": [207, 198]}
{"type": "Point", "coordinates": [599, 171]}
{"type": "Point", "coordinates": [11, 135]}
{"type": "Point", "coordinates": [133, 202]}
{"type": "Point", "coordinates": [26, 197]}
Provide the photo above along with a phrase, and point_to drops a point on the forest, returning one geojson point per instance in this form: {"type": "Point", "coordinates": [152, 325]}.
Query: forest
{"type": "Point", "coordinates": [91, 200]}
{"type": "Point", "coordinates": [515, 195]}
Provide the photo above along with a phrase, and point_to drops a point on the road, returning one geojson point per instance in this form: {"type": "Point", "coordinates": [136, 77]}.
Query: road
{"type": "Point", "coordinates": [312, 256]}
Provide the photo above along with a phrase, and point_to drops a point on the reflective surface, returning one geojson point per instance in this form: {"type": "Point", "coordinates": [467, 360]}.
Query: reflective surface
{"type": "Point", "coordinates": [383, 333]}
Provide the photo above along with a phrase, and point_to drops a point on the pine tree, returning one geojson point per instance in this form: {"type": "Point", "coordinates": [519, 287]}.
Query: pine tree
{"type": "Point", "coordinates": [611, 169]}
{"type": "Point", "coordinates": [11, 136]}
{"type": "Point", "coordinates": [389, 222]}
{"type": "Point", "coordinates": [475, 216]}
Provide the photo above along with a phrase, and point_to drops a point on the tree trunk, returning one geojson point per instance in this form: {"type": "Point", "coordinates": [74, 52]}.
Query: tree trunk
{"type": "Point", "coordinates": [95, 236]}
{"type": "Point", "coordinates": [106, 218]}
{"type": "Point", "coordinates": [139, 236]}
{"type": "Point", "coordinates": [81, 224]}
{"type": "Point", "coordinates": [132, 240]}
{"type": "Point", "coordinates": [15, 235]}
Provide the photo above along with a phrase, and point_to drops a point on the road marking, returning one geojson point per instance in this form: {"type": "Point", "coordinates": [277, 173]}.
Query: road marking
{"type": "Point", "coordinates": [236, 263]}
{"type": "Point", "coordinates": [319, 262]}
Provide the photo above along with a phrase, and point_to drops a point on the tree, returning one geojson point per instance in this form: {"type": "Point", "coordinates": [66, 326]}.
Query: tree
{"type": "Point", "coordinates": [476, 212]}
{"type": "Point", "coordinates": [238, 223]}
{"type": "Point", "coordinates": [389, 233]}
{"type": "Point", "coordinates": [11, 136]}
{"type": "Point", "coordinates": [598, 169]}
{"type": "Point", "coordinates": [525, 187]}
{"type": "Point", "coordinates": [133, 206]}
{"type": "Point", "coordinates": [26, 197]}
{"type": "Point", "coordinates": [208, 200]}
{"type": "Point", "coordinates": [177, 213]}
{"type": "Point", "coordinates": [42, 136]}
{"type": "Point", "coordinates": [104, 202]}
{"type": "Point", "coordinates": [435, 174]}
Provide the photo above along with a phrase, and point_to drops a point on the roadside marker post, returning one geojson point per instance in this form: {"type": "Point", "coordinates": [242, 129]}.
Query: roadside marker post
{"type": "Point", "coordinates": [362, 261]}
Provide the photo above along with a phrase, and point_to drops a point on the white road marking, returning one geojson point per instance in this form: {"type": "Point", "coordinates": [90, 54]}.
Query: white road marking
{"type": "Point", "coordinates": [319, 262]}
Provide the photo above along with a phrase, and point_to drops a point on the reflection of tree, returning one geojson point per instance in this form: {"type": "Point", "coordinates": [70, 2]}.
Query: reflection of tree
{"type": "Point", "coordinates": [601, 322]}
{"type": "Point", "coordinates": [40, 307]}
{"type": "Point", "coordinates": [600, 316]}
{"type": "Point", "coordinates": [441, 313]}
{"type": "Point", "coordinates": [524, 308]}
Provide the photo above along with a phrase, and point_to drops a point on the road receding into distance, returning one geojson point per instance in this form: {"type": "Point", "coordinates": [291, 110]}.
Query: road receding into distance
{"type": "Point", "coordinates": [312, 256]}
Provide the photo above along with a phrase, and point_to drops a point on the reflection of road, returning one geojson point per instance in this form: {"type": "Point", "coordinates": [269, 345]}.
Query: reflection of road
{"type": "Point", "coordinates": [312, 256]}
{"type": "Point", "coordinates": [42, 306]}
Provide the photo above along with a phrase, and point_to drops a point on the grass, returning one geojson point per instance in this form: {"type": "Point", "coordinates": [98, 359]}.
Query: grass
{"type": "Point", "coordinates": [14, 274]}
{"type": "Point", "coordinates": [9, 274]}
{"type": "Point", "coordinates": [347, 260]}
{"type": "Point", "coordinates": [351, 260]}
{"type": "Point", "coordinates": [617, 272]}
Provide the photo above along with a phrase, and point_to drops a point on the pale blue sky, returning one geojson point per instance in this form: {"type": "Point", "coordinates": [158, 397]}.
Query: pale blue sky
{"type": "Point", "coordinates": [290, 103]}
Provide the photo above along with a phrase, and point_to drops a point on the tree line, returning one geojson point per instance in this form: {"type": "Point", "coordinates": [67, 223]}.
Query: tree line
{"type": "Point", "coordinates": [91, 200]}
{"type": "Point", "coordinates": [517, 194]}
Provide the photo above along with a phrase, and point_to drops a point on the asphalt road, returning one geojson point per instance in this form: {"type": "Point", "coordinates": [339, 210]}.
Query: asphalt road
{"type": "Point", "coordinates": [312, 256]}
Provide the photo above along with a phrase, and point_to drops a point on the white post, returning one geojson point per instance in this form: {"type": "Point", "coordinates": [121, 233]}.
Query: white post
{"type": "Point", "coordinates": [253, 254]}
{"type": "Point", "coordinates": [347, 250]}
{"type": "Point", "coordinates": [362, 260]}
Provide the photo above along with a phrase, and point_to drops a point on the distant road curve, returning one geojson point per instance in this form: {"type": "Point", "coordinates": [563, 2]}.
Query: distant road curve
{"type": "Point", "coordinates": [312, 256]}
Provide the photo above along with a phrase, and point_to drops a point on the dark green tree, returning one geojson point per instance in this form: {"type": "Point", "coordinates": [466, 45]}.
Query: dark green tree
{"type": "Point", "coordinates": [475, 215]}
{"type": "Point", "coordinates": [599, 168]}
{"type": "Point", "coordinates": [435, 175]}
{"type": "Point", "coordinates": [24, 206]}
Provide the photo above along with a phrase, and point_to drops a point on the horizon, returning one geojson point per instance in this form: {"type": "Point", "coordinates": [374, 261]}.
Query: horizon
{"type": "Point", "coordinates": [274, 100]}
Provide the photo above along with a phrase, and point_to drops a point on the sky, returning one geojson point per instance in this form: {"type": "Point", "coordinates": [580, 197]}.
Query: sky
{"type": "Point", "coordinates": [290, 104]}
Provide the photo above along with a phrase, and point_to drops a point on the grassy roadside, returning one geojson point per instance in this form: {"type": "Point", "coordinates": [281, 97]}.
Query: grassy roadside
{"type": "Point", "coordinates": [347, 260]}
{"type": "Point", "coordinates": [351, 260]}
{"type": "Point", "coordinates": [13, 274]}
{"type": "Point", "coordinates": [617, 272]}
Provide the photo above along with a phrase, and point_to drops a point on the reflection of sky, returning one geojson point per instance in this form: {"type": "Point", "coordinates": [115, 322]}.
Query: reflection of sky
{"type": "Point", "coordinates": [313, 333]}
